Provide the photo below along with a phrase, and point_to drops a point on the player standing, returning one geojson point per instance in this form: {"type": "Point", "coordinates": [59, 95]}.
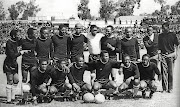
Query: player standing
{"type": "Point", "coordinates": [129, 45]}
{"type": "Point", "coordinates": [168, 46]}
{"type": "Point", "coordinates": [10, 66]}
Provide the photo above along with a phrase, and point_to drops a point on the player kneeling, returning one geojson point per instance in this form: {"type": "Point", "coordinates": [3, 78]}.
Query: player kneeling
{"type": "Point", "coordinates": [77, 70]}
{"type": "Point", "coordinates": [147, 71]}
{"type": "Point", "coordinates": [39, 78]}
{"type": "Point", "coordinates": [131, 76]}
{"type": "Point", "coordinates": [102, 70]}
{"type": "Point", "coordinates": [58, 76]}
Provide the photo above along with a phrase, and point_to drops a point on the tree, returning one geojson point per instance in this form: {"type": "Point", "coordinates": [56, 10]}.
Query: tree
{"type": "Point", "coordinates": [31, 10]}
{"type": "Point", "coordinates": [14, 13]}
{"type": "Point", "coordinates": [106, 9]}
{"type": "Point", "coordinates": [2, 11]}
{"type": "Point", "coordinates": [84, 11]}
{"type": "Point", "coordinates": [26, 9]}
{"type": "Point", "coordinates": [175, 9]}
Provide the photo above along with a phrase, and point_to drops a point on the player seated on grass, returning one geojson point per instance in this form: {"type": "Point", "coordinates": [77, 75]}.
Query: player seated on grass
{"type": "Point", "coordinates": [101, 71]}
{"type": "Point", "coordinates": [39, 78]}
{"type": "Point", "coordinates": [77, 70]}
{"type": "Point", "coordinates": [58, 76]}
{"type": "Point", "coordinates": [131, 76]}
{"type": "Point", "coordinates": [147, 71]}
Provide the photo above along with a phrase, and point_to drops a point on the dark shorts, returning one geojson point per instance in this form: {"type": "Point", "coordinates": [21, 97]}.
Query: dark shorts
{"type": "Point", "coordinates": [81, 84]}
{"type": "Point", "coordinates": [27, 67]}
{"type": "Point", "coordinates": [130, 86]}
{"type": "Point", "coordinates": [60, 85]}
{"type": "Point", "coordinates": [103, 82]}
{"type": "Point", "coordinates": [9, 67]}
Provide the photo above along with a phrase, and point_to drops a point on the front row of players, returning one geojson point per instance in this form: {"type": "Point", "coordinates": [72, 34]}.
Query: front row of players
{"type": "Point", "coordinates": [136, 76]}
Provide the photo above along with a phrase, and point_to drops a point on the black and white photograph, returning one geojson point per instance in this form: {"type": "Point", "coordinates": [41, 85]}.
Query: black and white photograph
{"type": "Point", "coordinates": [89, 53]}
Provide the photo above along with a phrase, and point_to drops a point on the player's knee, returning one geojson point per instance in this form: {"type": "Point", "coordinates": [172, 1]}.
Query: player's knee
{"type": "Point", "coordinates": [53, 90]}
{"type": "Point", "coordinates": [136, 82]}
{"type": "Point", "coordinates": [143, 84]}
{"type": "Point", "coordinates": [153, 86]}
{"type": "Point", "coordinates": [10, 82]}
{"type": "Point", "coordinates": [87, 87]}
{"type": "Point", "coordinates": [16, 79]}
{"type": "Point", "coordinates": [112, 84]}
{"type": "Point", "coordinates": [68, 86]}
{"type": "Point", "coordinates": [43, 90]}
{"type": "Point", "coordinates": [96, 86]}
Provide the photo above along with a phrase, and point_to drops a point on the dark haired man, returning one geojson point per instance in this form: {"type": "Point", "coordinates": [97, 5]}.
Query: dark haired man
{"type": "Point", "coordinates": [147, 71]}
{"type": "Point", "coordinates": [94, 42]}
{"type": "Point", "coordinates": [29, 60]}
{"type": "Point", "coordinates": [10, 66]}
{"type": "Point", "coordinates": [110, 43]}
{"type": "Point", "coordinates": [39, 78]}
{"type": "Point", "coordinates": [102, 69]}
{"type": "Point", "coordinates": [76, 75]}
{"type": "Point", "coordinates": [129, 45]}
{"type": "Point", "coordinates": [151, 44]}
{"type": "Point", "coordinates": [44, 48]}
{"type": "Point", "coordinates": [76, 43]}
{"type": "Point", "coordinates": [131, 76]}
{"type": "Point", "coordinates": [60, 44]}
{"type": "Point", "coordinates": [168, 46]}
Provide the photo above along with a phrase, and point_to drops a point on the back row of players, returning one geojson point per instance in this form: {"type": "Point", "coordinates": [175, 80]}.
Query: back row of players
{"type": "Point", "coordinates": [62, 56]}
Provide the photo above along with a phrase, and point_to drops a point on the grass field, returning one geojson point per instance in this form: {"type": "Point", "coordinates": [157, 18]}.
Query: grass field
{"type": "Point", "coordinates": [159, 99]}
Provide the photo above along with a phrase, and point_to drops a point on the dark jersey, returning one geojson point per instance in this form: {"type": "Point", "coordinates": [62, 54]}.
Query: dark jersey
{"type": "Point", "coordinates": [112, 41]}
{"type": "Point", "coordinates": [130, 47]}
{"type": "Point", "coordinates": [28, 58]}
{"type": "Point", "coordinates": [103, 70]}
{"type": "Point", "coordinates": [76, 45]}
{"type": "Point", "coordinates": [60, 47]}
{"type": "Point", "coordinates": [44, 48]}
{"type": "Point", "coordinates": [11, 54]}
{"type": "Point", "coordinates": [76, 74]}
{"type": "Point", "coordinates": [148, 73]}
{"type": "Point", "coordinates": [151, 46]}
{"type": "Point", "coordinates": [131, 71]}
{"type": "Point", "coordinates": [37, 78]}
{"type": "Point", "coordinates": [166, 42]}
{"type": "Point", "coordinates": [57, 76]}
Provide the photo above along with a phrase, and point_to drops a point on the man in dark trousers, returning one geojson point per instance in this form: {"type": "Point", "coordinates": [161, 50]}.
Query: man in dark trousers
{"type": "Point", "coordinates": [129, 45]}
{"type": "Point", "coordinates": [168, 46]}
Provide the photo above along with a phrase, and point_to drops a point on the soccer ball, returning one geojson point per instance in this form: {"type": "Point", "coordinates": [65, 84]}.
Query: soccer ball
{"type": "Point", "coordinates": [99, 98]}
{"type": "Point", "coordinates": [26, 87]}
{"type": "Point", "coordinates": [88, 98]}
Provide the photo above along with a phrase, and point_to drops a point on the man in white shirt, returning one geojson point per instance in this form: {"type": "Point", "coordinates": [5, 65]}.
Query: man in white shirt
{"type": "Point", "coordinates": [94, 44]}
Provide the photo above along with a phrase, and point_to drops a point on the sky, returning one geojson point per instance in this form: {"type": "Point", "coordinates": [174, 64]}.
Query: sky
{"type": "Point", "coordinates": [68, 8]}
